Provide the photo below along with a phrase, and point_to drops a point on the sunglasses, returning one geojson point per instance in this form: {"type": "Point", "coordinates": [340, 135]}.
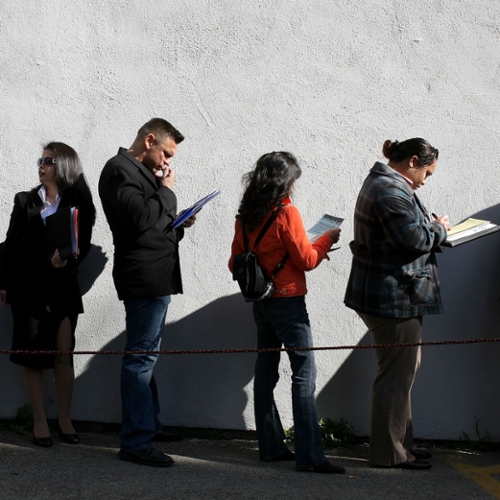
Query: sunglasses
{"type": "Point", "coordinates": [46, 161]}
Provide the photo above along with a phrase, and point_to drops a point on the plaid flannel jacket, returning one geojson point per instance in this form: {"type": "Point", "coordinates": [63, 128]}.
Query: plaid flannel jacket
{"type": "Point", "coordinates": [394, 269]}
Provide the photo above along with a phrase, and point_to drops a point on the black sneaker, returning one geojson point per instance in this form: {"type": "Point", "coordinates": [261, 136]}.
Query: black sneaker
{"type": "Point", "coordinates": [415, 465]}
{"type": "Point", "coordinates": [288, 456]}
{"type": "Point", "coordinates": [328, 468]}
{"type": "Point", "coordinates": [153, 457]}
{"type": "Point", "coordinates": [167, 437]}
{"type": "Point", "coordinates": [325, 468]}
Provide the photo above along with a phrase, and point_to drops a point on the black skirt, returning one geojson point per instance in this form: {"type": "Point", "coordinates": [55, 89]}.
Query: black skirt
{"type": "Point", "coordinates": [37, 331]}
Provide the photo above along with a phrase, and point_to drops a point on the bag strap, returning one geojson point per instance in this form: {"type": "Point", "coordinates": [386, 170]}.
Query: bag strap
{"type": "Point", "coordinates": [280, 265]}
{"type": "Point", "coordinates": [261, 234]}
{"type": "Point", "coordinates": [263, 231]}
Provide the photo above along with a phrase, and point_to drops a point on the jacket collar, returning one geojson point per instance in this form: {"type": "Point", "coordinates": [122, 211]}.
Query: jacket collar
{"type": "Point", "coordinates": [144, 171]}
{"type": "Point", "coordinates": [384, 169]}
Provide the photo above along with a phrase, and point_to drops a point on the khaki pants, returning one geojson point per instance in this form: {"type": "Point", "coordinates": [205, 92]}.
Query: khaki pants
{"type": "Point", "coordinates": [391, 434]}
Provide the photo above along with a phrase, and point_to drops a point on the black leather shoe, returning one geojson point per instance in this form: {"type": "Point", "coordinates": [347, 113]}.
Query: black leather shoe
{"type": "Point", "coordinates": [421, 453]}
{"type": "Point", "coordinates": [167, 437]}
{"type": "Point", "coordinates": [288, 456]}
{"type": "Point", "coordinates": [43, 442]}
{"type": "Point", "coordinates": [153, 457]}
{"type": "Point", "coordinates": [67, 438]}
{"type": "Point", "coordinates": [325, 468]}
{"type": "Point", "coordinates": [415, 465]}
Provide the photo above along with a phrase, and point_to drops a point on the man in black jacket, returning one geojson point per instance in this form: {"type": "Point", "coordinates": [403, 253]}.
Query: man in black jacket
{"type": "Point", "coordinates": [136, 193]}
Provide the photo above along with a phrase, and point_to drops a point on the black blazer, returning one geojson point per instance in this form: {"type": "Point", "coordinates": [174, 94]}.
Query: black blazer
{"type": "Point", "coordinates": [139, 211]}
{"type": "Point", "coordinates": [25, 269]}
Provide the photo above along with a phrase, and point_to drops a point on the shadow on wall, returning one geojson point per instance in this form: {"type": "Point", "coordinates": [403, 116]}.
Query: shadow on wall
{"type": "Point", "coordinates": [347, 394]}
{"type": "Point", "coordinates": [11, 375]}
{"type": "Point", "coordinates": [196, 390]}
{"type": "Point", "coordinates": [91, 268]}
{"type": "Point", "coordinates": [97, 389]}
{"type": "Point", "coordinates": [465, 377]}
{"type": "Point", "coordinates": [456, 384]}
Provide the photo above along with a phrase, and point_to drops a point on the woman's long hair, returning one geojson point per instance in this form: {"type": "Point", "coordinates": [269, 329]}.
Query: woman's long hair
{"type": "Point", "coordinates": [266, 186]}
{"type": "Point", "coordinates": [67, 167]}
{"type": "Point", "coordinates": [69, 173]}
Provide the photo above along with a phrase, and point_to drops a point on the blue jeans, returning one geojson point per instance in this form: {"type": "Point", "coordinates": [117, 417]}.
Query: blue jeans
{"type": "Point", "coordinates": [284, 321]}
{"type": "Point", "coordinates": [140, 406]}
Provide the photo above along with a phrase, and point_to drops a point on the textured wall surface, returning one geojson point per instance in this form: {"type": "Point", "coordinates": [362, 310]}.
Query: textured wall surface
{"type": "Point", "coordinates": [327, 80]}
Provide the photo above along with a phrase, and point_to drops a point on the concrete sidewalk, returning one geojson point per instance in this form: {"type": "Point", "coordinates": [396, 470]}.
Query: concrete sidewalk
{"type": "Point", "coordinates": [223, 469]}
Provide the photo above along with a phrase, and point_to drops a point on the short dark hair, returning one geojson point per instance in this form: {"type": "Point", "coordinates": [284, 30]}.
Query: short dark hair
{"type": "Point", "coordinates": [266, 186]}
{"type": "Point", "coordinates": [161, 129]}
{"type": "Point", "coordinates": [398, 151]}
{"type": "Point", "coordinates": [67, 167]}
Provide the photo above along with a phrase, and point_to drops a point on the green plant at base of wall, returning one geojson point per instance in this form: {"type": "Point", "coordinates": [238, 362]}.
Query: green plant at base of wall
{"type": "Point", "coordinates": [482, 443]}
{"type": "Point", "coordinates": [333, 433]}
{"type": "Point", "coordinates": [23, 423]}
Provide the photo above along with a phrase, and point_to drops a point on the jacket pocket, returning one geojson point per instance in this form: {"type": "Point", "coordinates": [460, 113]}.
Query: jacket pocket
{"type": "Point", "coordinates": [420, 286]}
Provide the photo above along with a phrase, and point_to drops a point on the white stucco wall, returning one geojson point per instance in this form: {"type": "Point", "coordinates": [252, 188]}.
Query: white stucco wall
{"type": "Point", "coordinates": [327, 80]}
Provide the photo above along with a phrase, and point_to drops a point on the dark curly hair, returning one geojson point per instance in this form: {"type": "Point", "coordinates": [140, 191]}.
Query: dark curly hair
{"type": "Point", "coordinates": [266, 186]}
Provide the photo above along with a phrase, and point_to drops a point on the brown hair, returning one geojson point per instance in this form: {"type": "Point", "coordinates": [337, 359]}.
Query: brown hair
{"type": "Point", "coordinates": [398, 151]}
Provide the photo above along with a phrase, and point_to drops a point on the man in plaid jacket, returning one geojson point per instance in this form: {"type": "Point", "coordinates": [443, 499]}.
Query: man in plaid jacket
{"type": "Point", "coordinates": [392, 284]}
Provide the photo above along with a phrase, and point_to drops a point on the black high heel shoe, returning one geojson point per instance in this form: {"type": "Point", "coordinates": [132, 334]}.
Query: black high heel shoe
{"type": "Point", "coordinates": [67, 438]}
{"type": "Point", "coordinates": [43, 442]}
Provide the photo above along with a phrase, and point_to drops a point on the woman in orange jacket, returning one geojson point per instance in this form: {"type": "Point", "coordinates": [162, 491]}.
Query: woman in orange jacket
{"type": "Point", "coordinates": [282, 319]}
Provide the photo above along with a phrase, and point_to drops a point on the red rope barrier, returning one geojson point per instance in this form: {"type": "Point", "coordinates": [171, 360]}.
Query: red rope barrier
{"type": "Point", "coordinates": [256, 350]}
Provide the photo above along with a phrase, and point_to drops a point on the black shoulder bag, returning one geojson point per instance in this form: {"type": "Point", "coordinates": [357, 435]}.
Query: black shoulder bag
{"type": "Point", "coordinates": [254, 284]}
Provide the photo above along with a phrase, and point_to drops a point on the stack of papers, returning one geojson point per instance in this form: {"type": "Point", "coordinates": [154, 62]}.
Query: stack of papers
{"type": "Point", "coordinates": [469, 230]}
{"type": "Point", "coordinates": [326, 222]}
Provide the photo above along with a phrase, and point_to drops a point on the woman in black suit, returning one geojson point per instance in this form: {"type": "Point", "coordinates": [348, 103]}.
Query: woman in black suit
{"type": "Point", "coordinates": [42, 288]}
